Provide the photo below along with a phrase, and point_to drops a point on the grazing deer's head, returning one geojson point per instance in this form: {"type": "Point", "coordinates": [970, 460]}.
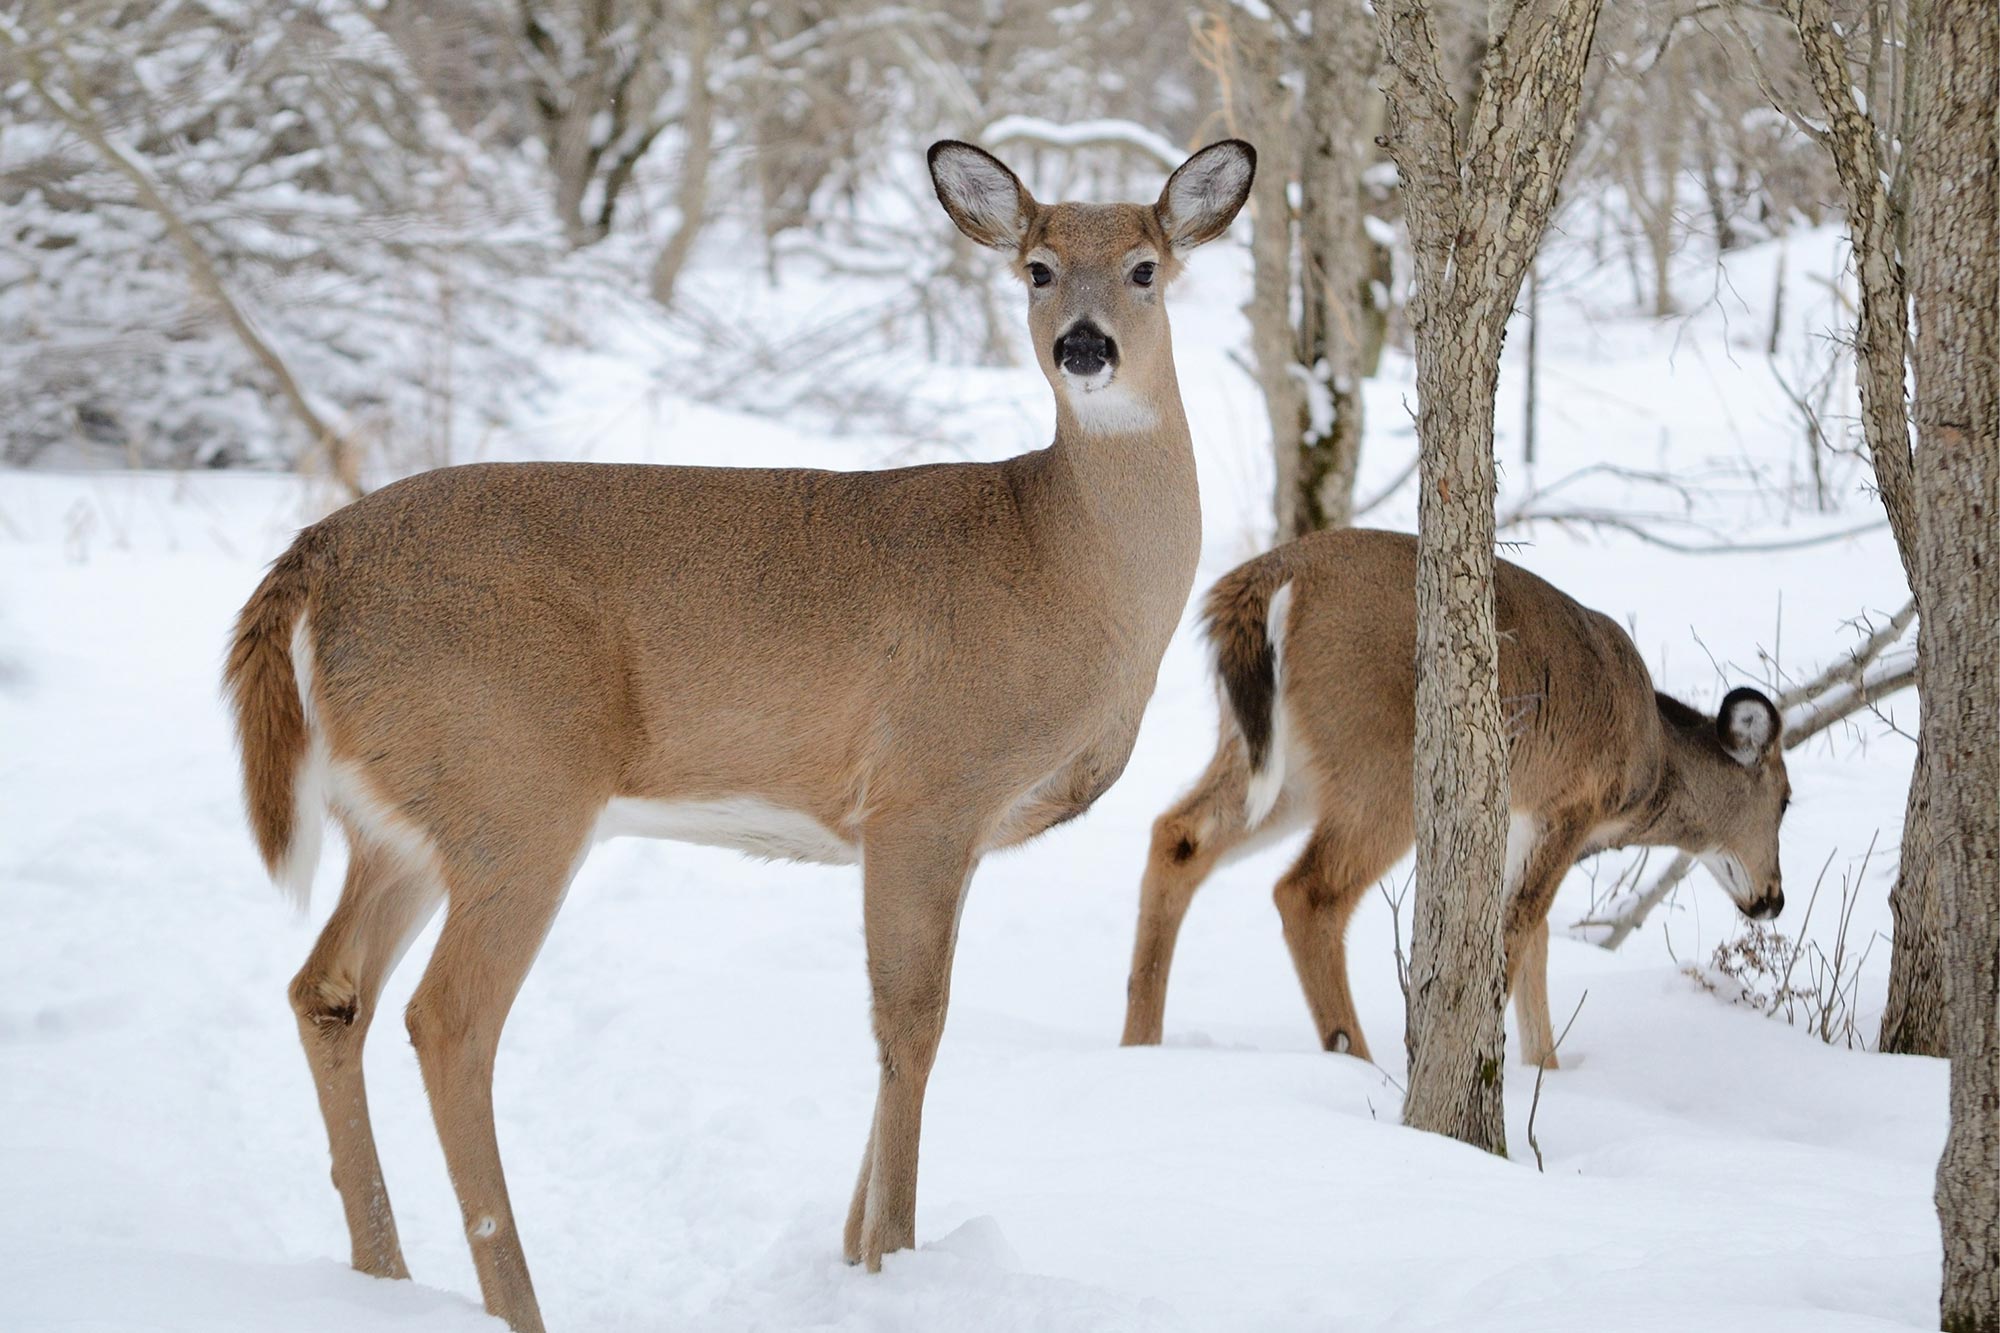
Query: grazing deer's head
{"type": "Point", "coordinates": [1743, 809]}
{"type": "Point", "coordinates": [1095, 271]}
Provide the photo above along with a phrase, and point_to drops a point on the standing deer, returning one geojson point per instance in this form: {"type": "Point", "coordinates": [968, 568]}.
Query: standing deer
{"type": "Point", "coordinates": [1315, 646]}
{"type": "Point", "coordinates": [481, 671]}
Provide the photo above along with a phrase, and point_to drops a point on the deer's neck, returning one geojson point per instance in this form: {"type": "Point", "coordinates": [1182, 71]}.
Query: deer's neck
{"type": "Point", "coordinates": [1123, 474]}
{"type": "Point", "coordinates": [1666, 815]}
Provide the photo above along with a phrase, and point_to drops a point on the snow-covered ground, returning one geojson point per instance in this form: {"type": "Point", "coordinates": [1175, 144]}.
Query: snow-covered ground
{"type": "Point", "coordinates": [685, 1085]}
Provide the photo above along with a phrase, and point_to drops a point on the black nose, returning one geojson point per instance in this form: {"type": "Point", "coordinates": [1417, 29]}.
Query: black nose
{"type": "Point", "coordinates": [1085, 349]}
{"type": "Point", "coordinates": [1768, 907]}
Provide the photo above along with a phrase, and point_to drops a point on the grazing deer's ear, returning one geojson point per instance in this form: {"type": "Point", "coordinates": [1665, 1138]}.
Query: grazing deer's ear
{"type": "Point", "coordinates": [1202, 197]}
{"type": "Point", "coordinates": [1748, 726]}
{"type": "Point", "coordinates": [987, 201]}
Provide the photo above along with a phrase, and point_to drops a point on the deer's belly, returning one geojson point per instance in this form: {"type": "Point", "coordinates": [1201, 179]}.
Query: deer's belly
{"type": "Point", "coordinates": [743, 823]}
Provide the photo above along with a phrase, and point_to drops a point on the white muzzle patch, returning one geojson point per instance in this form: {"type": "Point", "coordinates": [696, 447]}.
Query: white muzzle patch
{"type": "Point", "coordinates": [1730, 874]}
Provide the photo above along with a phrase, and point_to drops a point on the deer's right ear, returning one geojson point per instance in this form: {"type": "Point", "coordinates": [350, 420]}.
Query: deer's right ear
{"type": "Point", "coordinates": [987, 201]}
{"type": "Point", "coordinates": [1748, 726]}
{"type": "Point", "coordinates": [1203, 195]}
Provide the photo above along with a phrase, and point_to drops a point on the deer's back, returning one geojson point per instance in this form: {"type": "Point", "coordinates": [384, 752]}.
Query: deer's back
{"type": "Point", "coordinates": [655, 630]}
{"type": "Point", "coordinates": [1575, 695]}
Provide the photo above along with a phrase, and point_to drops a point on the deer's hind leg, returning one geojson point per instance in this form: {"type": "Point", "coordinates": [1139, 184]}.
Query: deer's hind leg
{"type": "Point", "coordinates": [503, 897]}
{"type": "Point", "coordinates": [1187, 842]}
{"type": "Point", "coordinates": [1315, 898]}
{"type": "Point", "coordinates": [386, 900]}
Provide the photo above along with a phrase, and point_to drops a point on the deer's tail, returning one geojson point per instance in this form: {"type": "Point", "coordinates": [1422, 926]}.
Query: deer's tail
{"type": "Point", "coordinates": [269, 682]}
{"type": "Point", "coordinates": [1246, 614]}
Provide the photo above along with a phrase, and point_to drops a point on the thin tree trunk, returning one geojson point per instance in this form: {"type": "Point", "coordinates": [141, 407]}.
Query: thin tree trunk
{"type": "Point", "coordinates": [1476, 218]}
{"type": "Point", "coordinates": [569, 118]}
{"type": "Point", "coordinates": [1337, 305]}
{"type": "Point", "coordinates": [1954, 250]}
{"type": "Point", "coordinates": [698, 131]}
{"type": "Point", "coordinates": [1316, 323]}
{"type": "Point", "coordinates": [1268, 121]}
{"type": "Point", "coordinates": [1914, 1020]}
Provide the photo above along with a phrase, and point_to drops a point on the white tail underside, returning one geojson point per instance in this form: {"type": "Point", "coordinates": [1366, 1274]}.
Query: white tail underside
{"type": "Point", "coordinates": [1268, 783]}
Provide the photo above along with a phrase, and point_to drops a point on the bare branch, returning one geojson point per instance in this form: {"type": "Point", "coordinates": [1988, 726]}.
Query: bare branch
{"type": "Point", "coordinates": [1535, 1104]}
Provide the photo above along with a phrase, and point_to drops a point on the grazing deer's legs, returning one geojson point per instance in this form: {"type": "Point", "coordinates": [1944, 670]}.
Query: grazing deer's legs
{"type": "Point", "coordinates": [1527, 936]}
{"type": "Point", "coordinates": [1315, 899]}
{"type": "Point", "coordinates": [1315, 914]}
{"type": "Point", "coordinates": [912, 888]}
{"type": "Point", "coordinates": [1187, 842]}
{"type": "Point", "coordinates": [384, 903]}
{"type": "Point", "coordinates": [493, 928]}
{"type": "Point", "coordinates": [1531, 997]}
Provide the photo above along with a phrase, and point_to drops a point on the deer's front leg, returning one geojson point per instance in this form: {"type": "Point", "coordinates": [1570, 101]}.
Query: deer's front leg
{"type": "Point", "coordinates": [1526, 934]}
{"type": "Point", "coordinates": [912, 886]}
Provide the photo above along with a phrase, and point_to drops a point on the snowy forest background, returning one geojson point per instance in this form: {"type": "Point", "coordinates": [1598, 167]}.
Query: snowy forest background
{"type": "Point", "coordinates": [259, 256]}
{"type": "Point", "coordinates": [246, 233]}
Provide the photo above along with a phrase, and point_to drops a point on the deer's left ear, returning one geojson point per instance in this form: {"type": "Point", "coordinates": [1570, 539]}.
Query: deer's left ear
{"type": "Point", "coordinates": [1748, 726]}
{"type": "Point", "coordinates": [1201, 198]}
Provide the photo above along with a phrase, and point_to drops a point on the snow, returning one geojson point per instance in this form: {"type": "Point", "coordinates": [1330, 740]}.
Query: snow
{"type": "Point", "coordinates": [684, 1088]}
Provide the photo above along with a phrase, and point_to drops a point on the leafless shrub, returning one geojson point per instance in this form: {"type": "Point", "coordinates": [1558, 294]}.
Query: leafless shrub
{"type": "Point", "coordinates": [1796, 979]}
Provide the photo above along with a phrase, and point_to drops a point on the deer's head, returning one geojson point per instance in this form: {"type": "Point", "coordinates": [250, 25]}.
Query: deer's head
{"type": "Point", "coordinates": [1744, 803]}
{"type": "Point", "coordinates": [1095, 273]}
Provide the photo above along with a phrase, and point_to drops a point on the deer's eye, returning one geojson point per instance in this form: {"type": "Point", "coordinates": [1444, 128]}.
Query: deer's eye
{"type": "Point", "coordinates": [1143, 273]}
{"type": "Point", "coordinates": [1040, 275]}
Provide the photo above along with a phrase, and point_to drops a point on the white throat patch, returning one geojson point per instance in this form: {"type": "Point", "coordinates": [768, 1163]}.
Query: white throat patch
{"type": "Point", "coordinates": [1104, 408]}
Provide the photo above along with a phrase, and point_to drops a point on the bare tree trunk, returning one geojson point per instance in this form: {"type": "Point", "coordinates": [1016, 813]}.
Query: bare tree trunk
{"type": "Point", "coordinates": [1269, 122]}
{"type": "Point", "coordinates": [1914, 1020]}
{"type": "Point", "coordinates": [1339, 336]}
{"type": "Point", "coordinates": [1954, 250]}
{"type": "Point", "coordinates": [698, 131]}
{"type": "Point", "coordinates": [1476, 213]}
{"type": "Point", "coordinates": [1316, 321]}
{"type": "Point", "coordinates": [568, 109]}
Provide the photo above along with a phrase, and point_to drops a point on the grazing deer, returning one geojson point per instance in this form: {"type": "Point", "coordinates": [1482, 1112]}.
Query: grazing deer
{"type": "Point", "coordinates": [481, 671]}
{"type": "Point", "coordinates": [1315, 647]}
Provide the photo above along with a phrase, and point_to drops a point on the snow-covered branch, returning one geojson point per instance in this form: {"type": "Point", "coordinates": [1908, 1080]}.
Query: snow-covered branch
{"type": "Point", "coordinates": [1083, 134]}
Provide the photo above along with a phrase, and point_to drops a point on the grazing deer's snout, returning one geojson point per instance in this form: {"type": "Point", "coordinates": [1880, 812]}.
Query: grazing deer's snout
{"type": "Point", "coordinates": [1086, 350]}
{"type": "Point", "coordinates": [1767, 907]}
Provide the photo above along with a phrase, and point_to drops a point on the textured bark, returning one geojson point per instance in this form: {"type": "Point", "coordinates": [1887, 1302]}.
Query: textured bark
{"type": "Point", "coordinates": [1913, 1021]}
{"type": "Point", "coordinates": [1954, 252]}
{"type": "Point", "coordinates": [1477, 210]}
